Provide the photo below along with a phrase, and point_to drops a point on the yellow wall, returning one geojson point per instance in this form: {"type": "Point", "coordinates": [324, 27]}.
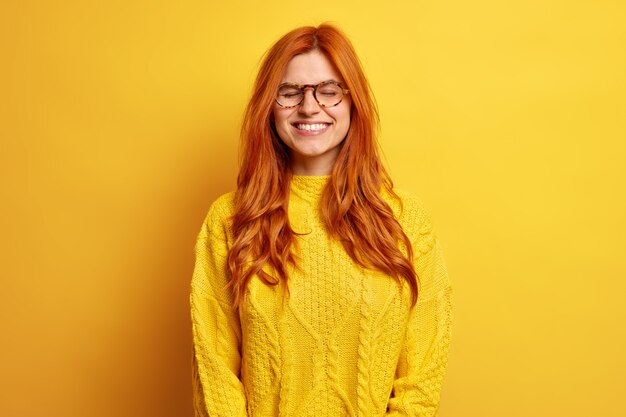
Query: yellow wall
{"type": "Point", "coordinates": [119, 125]}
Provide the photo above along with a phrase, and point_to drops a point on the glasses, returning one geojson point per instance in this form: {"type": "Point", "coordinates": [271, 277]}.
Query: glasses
{"type": "Point", "coordinates": [326, 93]}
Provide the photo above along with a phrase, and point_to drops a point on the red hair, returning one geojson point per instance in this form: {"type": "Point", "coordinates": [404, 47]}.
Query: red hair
{"type": "Point", "coordinates": [352, 205]}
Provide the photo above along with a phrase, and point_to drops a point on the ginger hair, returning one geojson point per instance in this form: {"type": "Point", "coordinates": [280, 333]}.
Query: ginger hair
{"type": "Point", "coordinates": [352, 205]}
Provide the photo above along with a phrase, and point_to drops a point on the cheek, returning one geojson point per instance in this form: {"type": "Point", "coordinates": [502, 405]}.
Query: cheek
{"type": "Point", "coordinates": [281, 125]}
{"type": "Point", "coordinates": [343, 119]}
{"type": "Point", "coordinates": [343, 114]}
{"type": "Point", "coordinates": [282, 116]}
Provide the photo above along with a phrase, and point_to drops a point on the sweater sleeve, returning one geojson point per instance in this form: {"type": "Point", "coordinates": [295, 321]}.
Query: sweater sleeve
{"type": "Point", "coordinates": [216, 330]}
{"type": "Point", "coordinates": [424, 355]}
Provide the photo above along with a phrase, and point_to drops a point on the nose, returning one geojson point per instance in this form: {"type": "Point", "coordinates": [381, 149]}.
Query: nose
{"type": "Point", "coordinates": [309, 105]}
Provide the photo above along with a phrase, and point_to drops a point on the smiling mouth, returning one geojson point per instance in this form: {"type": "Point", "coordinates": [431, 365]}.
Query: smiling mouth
{"type": "Point", "coordinates": [311, 127]}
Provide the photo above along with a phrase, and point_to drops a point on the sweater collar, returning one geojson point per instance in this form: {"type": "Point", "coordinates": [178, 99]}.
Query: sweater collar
{"type": "Point", "coordinates": [309, 187]}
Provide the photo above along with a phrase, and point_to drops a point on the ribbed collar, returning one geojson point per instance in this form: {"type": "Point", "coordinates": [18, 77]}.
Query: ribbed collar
{"type": "Point", "coordinates": [309, 187]}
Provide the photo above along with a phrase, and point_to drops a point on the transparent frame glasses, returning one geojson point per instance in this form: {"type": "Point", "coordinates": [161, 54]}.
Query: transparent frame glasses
{"type": "Point", "coordinates": [315, 88]}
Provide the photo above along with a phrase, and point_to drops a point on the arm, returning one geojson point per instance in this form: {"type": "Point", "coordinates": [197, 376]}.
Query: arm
{"type": "Point", "coordinates": [424, 355]}
{"type": "Point", "coordinates": [216, 361]}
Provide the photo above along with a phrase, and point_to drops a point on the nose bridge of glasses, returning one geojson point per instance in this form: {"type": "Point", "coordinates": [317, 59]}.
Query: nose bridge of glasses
{"type": "Point", "coordinates": [309, 87]}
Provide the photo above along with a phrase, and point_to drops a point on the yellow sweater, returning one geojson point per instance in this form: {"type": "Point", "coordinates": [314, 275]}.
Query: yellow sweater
{"type": "Point", "coordinates": [346, 343]}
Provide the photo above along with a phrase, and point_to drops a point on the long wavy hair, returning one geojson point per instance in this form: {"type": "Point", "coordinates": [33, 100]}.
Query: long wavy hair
{"type": "Point", "coordinates": [352, 205]}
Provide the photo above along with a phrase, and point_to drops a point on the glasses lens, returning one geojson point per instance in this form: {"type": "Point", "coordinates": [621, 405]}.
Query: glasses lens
{"type": "Point", "coordinates": [289, 95]}
{"type": "Point", "coordinates": [329, 94]}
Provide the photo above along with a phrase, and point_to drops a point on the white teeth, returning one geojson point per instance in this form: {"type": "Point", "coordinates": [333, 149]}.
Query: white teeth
{"type": "Point", "coordinates": [316, 126]}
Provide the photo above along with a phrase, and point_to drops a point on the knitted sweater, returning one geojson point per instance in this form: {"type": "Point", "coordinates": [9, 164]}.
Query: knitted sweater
{"type": "Point", "coordinates": [345, 343]}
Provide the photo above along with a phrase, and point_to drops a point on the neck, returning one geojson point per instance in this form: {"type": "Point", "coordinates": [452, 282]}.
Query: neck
{"type": "Point", "coordinates": [319, 165]}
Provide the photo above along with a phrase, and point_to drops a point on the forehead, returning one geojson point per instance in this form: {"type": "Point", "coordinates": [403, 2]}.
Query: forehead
{"type": "Point", "coordinates": [310, 68]}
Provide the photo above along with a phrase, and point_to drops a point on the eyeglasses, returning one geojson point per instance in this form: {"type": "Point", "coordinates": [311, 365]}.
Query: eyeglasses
{"type": "Point", "coordinates": [326, 93]}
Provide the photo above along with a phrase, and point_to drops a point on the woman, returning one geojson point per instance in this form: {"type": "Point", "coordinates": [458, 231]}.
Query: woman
{"type": "Point", "coordinates": [318, 290]}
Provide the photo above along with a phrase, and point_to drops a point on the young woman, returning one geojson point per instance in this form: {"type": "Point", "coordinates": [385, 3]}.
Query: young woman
{"type": "Point", "coordinates": [318, 289]}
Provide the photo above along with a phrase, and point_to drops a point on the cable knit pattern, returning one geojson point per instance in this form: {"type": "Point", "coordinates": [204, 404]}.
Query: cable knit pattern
{"type": "Point", "coordinates": [345, 343]}
{"type": "Point", "coordinates": [364, 359]}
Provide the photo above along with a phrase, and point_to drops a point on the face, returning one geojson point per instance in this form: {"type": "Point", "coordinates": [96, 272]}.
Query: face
{"type": "Point", "coordinates": [314, 134]}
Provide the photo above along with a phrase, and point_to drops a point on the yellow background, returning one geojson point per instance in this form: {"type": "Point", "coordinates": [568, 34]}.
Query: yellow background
{"type": "Point", "coordinates": [119, 125]}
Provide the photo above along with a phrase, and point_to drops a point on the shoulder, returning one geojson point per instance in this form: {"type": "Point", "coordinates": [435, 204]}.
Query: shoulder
{"type": "Point", "coordinates": [223, 207]}
{"type": "Point", "coordinates": [430, 265]}
{"type": "Point", "coordinates": [414, 218]}
{"type": "Point", "coordinates": [217, 219]}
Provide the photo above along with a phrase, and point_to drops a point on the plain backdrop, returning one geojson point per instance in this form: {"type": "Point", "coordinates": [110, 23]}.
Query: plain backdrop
{"type": "Point", "coordinates": [119, 125]}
